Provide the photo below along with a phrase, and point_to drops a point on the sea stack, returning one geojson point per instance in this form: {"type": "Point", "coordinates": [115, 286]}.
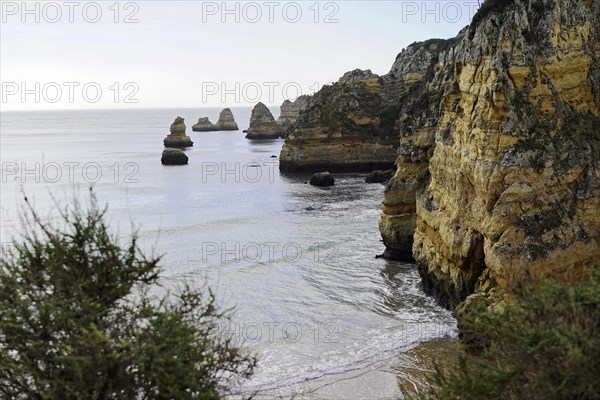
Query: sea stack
{"type": "Point", "coordinates": [177, 138]}
{"type": "Point", "coordinates": [289, 111]}
{"type": "Point", "coordinates": [171, 156]}
{"type": "Point", "coordinates": [262, 124]}
{"type": "Point", "coordinates": [204, 125]}
{"type": "Point", "coordinates": [226, 121]}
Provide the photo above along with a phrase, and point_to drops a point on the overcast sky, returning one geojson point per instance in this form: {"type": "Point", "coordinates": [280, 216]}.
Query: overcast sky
{"type": "Point", "coordinates": [62, 55]}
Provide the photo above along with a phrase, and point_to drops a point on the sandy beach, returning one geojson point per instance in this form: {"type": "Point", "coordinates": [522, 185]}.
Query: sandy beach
{"type": "Point", "coordinates": [382, 380]}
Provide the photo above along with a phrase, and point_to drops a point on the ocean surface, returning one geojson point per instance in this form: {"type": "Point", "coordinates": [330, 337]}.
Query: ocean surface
{"type": "Point", "coordinates": [297, 262]}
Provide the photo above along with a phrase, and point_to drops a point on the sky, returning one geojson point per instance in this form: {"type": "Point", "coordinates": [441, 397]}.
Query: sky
{"type": "Point", "coordinates": [147, 54]}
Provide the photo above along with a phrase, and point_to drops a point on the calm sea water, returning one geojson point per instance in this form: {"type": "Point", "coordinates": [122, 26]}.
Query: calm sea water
{"type": "Point", "coordinates": [297, 262]}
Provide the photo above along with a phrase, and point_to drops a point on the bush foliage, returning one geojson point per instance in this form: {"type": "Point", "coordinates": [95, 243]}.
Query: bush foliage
{"type": "Point", "coordinates": [545, 345]}
{"type": "Point", "coordinates": [77, 320]}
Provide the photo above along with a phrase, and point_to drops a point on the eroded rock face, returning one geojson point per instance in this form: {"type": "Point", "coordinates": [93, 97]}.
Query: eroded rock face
{"type": "Point", "coordinates": [177, 138]}
{"type": "Point", "coordinates": [204, 125]}
{"type": "Point", "coordinates": [513, 185]}
{"type": "Point", "coordinates": [360, 122]}
{"type": "Point", "coordinates": [289, 111]}
{"type": "Point", "coordinates": [345, 127]}
{"type": "Point", "coordinates": [226, 121]}
{"type": "Point", "coordinates": [262, 124]}
{"type": "Point", "coordinates": [417, 82]}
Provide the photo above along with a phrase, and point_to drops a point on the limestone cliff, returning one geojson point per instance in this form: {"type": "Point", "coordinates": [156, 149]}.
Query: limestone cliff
{"type": "Point", "coordinates": [290, 110]}
{"type": "Point", "coordinates": [344, 127]}
{"type": "Point", "coordinates": [513, 184]}
{"type": "Point", "coordinates": [416, 82]}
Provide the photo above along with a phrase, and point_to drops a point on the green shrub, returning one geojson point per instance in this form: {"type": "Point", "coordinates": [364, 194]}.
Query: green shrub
{"type": "Point", "coordinates": [77, 320]}
{"type": "Point", "coordinates": [545, 345]}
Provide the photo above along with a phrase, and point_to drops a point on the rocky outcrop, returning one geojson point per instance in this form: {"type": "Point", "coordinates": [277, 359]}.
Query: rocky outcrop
{"type": "Point", "coordinates": [171, 156]}
{"type": "Point", "coordinates": [204, 125]}
{"type": "Point", "coordinates": [226, 121]}
{"type": "Point", "coordinates": [358, 75]}
{"type": "Point", "coordinates": [511, 184]}
{"type": "Point", "coordinates": [177, 137]}
{"type": "Point", "coordinates": [322, 179]}
{"type": "Point", "coordinates": [346, 126]}
{"type": "Point", "coordinates": [380, 176]}
{"type": "Point", "coordinates": [289, 111]}
{"type": "Point", "coordinates": [262, 124]}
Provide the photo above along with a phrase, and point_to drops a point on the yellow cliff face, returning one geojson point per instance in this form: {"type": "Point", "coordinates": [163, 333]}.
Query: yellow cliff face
{"type": "Point", "coordinates": [513, 186]}
{"type": "Point", "coordinates": [501, 199]}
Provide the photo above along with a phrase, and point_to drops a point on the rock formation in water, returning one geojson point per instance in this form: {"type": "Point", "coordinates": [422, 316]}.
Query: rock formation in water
{"type": "Point", "coordinates": [289, 111]}
{"type": "Point", "coordinates": [226, 121]}
{"type": "Point", "coordinates": [204, 125]}
{"type": "Point", "coordinates": [380, 176]}
{"type": "Point", "coordinates": [177, 137]}
{"type": "Point", "coordinates": [346, 126]}
{"type": "Point", "coordinates": [358, 123]}
{"type": "Point", "coordinates": [510, 183]}
{"type": "Point", "coordinates": [322, 179]}
{"type": "Point", "coordinates": [171, 156]}
{"type": "Point", "coordinates": [262, 124]}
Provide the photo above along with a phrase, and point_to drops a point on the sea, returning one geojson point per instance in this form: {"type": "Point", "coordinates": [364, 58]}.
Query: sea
{"type": "Point", "coordinates": [295, 264]}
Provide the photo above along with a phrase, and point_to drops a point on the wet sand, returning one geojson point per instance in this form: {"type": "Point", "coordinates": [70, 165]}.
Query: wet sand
{"type": "Point", "coordinates": [382, 380]}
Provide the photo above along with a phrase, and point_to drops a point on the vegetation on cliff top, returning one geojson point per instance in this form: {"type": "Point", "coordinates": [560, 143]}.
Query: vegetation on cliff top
{"type": "Point", "coordinates": [488, 7]}
{"type": "Point", "coordinates": [544, 345]}
{"type": "Point", "coordinates": [77, 320]}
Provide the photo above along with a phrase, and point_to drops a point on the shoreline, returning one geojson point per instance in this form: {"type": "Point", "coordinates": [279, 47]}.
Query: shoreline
{"type": "Point", "coordinates": [382, 380]}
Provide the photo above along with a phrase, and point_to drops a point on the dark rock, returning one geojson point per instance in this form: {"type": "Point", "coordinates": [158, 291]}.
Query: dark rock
{"type": "Point", "coordinates": [322, 179]}
{"type": "Point", "coordinates": [171, 156]}
{"type": "Point", "coordinates": [380, 176]}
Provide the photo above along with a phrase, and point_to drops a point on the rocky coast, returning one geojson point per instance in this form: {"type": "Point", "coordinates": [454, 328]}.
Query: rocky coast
{"type": "Point", "coordinates": [496, 141]}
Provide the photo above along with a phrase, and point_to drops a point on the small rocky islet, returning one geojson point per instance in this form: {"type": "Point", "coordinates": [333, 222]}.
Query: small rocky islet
{"type": "Point", "coordinates": [262, 124]}
{"type": "Point", "coordinates": [226, 122]}
{"type": "Point", "coordinates": [173, 156]}
{"type": "Point", "coordinates": [177, 137]}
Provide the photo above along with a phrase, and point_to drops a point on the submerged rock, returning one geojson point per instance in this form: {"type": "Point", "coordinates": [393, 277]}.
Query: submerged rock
{"type": "Point", "coordinates": [204, 125]}
{"type": "Point", "coordinates": [177, 137]}
{"type": "Point", "coordinates": [322, 179]}
{"type": "Point", "coordinates": [226, 121]}
{"type": "Point", "coordinates": [171, 156]}
{"type": "Point", "coordinates": [380, 176]}
{"type": "Point", "coordinates": [262, 124]}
